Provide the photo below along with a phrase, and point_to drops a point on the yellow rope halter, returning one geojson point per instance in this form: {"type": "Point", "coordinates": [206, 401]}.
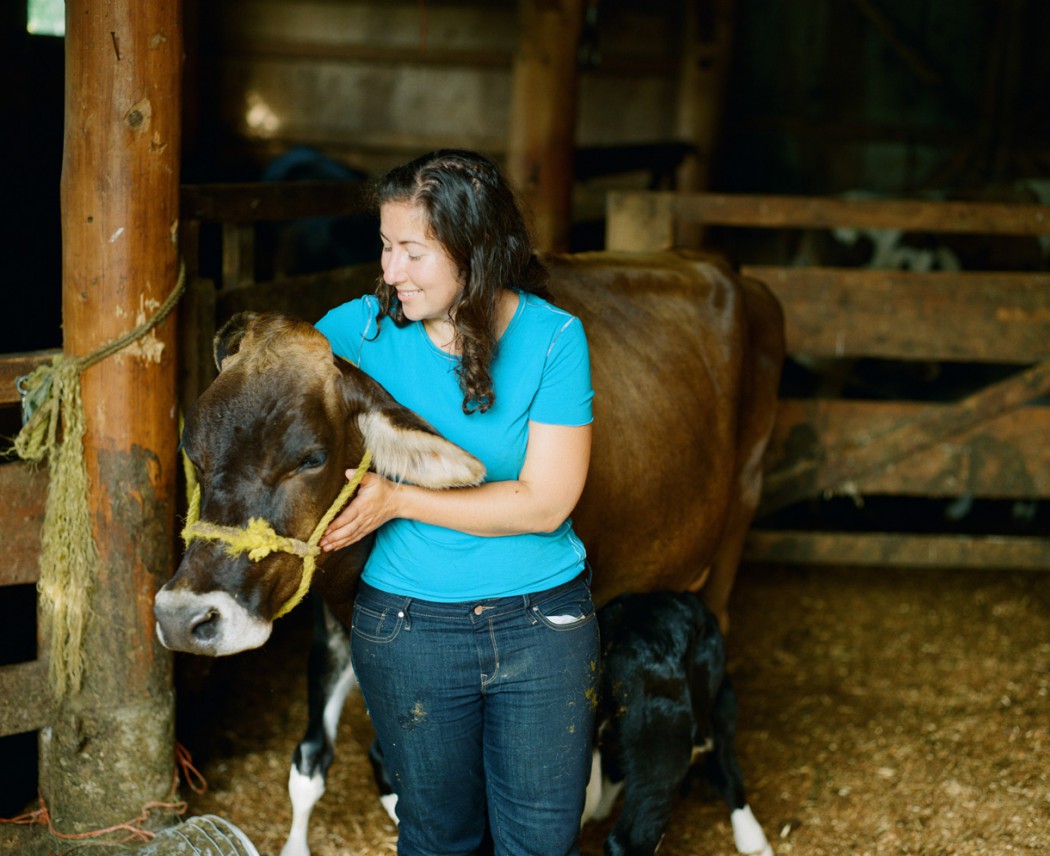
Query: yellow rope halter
{"type": "Point", "coordinates": [258, 538]}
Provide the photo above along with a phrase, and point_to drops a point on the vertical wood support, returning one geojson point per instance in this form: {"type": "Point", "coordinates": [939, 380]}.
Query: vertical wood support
{"type": "Point", "coordinates": [639, 222]}
{"type": "Point", "coordinates": [706, 53]}
{"type": "Point", "coordinates": [110, 747]}
{"type": "Point", "coordinates": [238, 254]}
{"type": "Point", "coordinates": [542, 135]}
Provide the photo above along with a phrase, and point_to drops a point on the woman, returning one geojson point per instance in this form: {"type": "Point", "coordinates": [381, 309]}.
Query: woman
{"type": "Point", "coordinates": [474, 637]}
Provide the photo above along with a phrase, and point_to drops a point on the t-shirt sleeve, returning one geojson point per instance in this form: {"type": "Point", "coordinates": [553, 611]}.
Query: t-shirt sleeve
{"type": "Point", "coordinates": [565, 394]}
{"type": "Point", "coordinates": [347, 326]}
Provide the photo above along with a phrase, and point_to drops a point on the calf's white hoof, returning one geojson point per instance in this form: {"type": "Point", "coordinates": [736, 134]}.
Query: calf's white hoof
{"type": "Point", "coordinates": [748, 836]}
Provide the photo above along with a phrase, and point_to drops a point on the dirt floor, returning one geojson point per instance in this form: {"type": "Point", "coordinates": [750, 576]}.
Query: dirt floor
{"type": "Point", "coordinates": [882, 712]}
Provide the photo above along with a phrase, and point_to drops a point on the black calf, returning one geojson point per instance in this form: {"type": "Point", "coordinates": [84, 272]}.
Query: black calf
{"type": "Point", "coordinates": [666, 698]}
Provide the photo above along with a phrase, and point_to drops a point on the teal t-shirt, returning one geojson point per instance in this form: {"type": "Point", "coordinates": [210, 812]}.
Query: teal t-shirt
{"type": "Point", "coordinates": [541, 373]}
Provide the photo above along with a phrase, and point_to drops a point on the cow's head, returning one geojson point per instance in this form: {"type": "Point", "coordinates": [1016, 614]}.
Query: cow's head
{"type": "Point", "coordinates": [272, 439]}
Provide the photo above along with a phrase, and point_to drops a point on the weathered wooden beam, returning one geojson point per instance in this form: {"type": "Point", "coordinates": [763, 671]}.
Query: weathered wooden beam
{"type": "Point", "coordinates": [382, 54]}
{"type": "Point", "coordinates": [435, 56]}
{"type": "Point", "coordinates": [14, 366]}
{"type": "Point", "coordinates": [1006, 457]}
{"type": "Point", "coordinates": [892, 549]}
{"type": "Point", "coordinates": [810, 212]}
{"type": "Point", "coordinates": [639, 222]}
{"type": "Point", "coordinates": [252, 202]}
{"type": "Point", "coordinates": [707, 43]}
{"type": "Point", "coordinates": [818, 212]}
{"type": "Point", "coordinates": [238, 253]}
{"type": "Point", "coordinates": [907, 315]}
{"type": "Point", "coordinates": [866, 452]}
{"type": "Point", "coordinates": [24, 489]}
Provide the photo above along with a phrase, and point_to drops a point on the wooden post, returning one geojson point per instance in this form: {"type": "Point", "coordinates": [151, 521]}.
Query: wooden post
{"type": "Point", "coordinates": [542, 134]}
{"type": "Point", "coordinates": [640, 222]}
{"type": "Point", "coordinates": [706, 48]}
{"type": "Point", "coordinates": [110, 747]}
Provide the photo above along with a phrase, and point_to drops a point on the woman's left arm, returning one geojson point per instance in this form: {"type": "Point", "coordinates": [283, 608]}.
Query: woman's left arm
{"type": "Point", "coordinates": [539, 500]}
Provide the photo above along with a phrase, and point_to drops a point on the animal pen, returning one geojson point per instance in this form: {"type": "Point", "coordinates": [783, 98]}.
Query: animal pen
{"type": "Point", "coordinates": [993, 443]}
{"type": "Point", "coordinates": [826, 315]}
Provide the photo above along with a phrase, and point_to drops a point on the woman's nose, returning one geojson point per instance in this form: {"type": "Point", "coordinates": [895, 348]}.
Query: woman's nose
{"type": "Point", "coordinates": [392, 268]}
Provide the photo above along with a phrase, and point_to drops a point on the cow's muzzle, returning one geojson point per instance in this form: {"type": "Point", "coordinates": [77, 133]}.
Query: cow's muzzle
{"type": "Point", "coordinates": [212, 624]}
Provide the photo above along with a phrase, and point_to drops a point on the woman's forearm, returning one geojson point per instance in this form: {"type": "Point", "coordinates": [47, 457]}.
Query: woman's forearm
{"type": "Point", "coordinates": [492, 509]}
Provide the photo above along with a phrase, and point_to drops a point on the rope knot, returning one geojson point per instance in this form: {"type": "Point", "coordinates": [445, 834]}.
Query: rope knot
{"type": "Point", "coordinates": [47, 391]}
{"type": "Point", "coordinates": [266, 541]}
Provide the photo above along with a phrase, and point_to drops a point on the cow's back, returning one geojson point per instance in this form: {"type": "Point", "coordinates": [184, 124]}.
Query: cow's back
{"type": "Point", "coordinates": [685, 362]}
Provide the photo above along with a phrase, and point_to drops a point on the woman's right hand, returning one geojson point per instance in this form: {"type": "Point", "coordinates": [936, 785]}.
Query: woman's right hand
{"type": "Point", "coordinates": [372, 506]}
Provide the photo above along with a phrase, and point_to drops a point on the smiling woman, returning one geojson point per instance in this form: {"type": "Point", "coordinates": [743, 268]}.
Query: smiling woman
{"type": "Point", "coordinates": [484, 585]}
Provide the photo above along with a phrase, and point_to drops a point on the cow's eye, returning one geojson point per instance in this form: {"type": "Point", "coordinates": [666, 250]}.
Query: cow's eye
{"type": "Point", "coordinates": [313, 461]}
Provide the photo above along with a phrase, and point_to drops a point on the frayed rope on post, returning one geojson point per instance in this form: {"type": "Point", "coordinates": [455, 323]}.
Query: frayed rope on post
{"type": "Point", "coordinates": [68, 556]}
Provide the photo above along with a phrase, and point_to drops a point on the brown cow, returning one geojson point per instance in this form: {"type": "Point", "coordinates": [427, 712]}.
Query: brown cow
{"type": "Point", "coordinates": [271, 439]}
{"type": "Point", "coordinates": [686, 360]}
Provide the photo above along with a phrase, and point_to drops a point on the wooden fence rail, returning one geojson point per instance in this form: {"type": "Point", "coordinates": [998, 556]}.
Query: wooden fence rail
{"type": "Point", "coordinates": [993, 443]}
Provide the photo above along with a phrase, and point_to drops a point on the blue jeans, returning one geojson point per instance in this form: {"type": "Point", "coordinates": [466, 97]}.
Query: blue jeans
{"type": "Point", "coordinates": [484, 712]}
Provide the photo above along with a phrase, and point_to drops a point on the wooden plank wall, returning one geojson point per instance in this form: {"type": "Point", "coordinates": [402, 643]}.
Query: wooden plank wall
{"type": "Point", "coordinates": [375, 82]}
{"type": "Point", "coordinates": [993, 444]}
{"type": "Point", "coordinates": [372, 84]}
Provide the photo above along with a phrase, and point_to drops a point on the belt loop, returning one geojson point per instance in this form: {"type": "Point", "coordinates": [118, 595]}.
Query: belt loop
{"type": "Point", "coordinates": [531, 611]}
{"type": "Point", "coordinates": [406, 614]}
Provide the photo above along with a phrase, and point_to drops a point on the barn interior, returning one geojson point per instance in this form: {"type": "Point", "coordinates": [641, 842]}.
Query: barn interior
{"type": "Point", "coordinates": [891, 636]}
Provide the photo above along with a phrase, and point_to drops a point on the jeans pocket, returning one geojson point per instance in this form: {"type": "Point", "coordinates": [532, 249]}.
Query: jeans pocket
{"type": "Point", "coordinates": [567, 609]}
{"type": "Point", "coordinates": [380, 625]}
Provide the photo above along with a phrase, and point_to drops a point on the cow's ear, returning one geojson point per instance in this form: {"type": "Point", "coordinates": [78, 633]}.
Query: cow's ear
{"type": "Point", "coordinates": [227, 341]}
{"type": "Point", "coordinates": [405, 447]}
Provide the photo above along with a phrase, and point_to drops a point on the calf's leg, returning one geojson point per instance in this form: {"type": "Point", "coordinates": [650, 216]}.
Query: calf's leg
{"type": "Point", "coordinates": [330, 678]}
{"type": "Point", "coordinates": [722, 771]}
{"type": "Point", "coordinates": [653, 749]}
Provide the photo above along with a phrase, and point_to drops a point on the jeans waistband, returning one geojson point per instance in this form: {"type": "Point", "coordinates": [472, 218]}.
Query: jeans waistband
{"type": "Point", "coordinates": [403, 602]}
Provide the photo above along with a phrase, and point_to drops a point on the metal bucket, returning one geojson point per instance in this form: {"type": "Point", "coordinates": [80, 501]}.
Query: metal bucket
{"type": "Point", "coordinates": [206, 835]}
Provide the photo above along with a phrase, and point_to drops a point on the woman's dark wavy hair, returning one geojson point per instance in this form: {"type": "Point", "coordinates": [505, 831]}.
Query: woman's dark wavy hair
{"type": "Point", "coordinates": [469, 208]}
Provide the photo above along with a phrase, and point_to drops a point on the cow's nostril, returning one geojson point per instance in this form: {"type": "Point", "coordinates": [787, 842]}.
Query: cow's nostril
{"type": "Point", "coordinates": [206, 628]}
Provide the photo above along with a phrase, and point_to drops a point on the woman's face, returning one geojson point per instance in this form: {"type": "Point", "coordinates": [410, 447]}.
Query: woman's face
{"type": "Point", "coordinates": [415, 264]}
